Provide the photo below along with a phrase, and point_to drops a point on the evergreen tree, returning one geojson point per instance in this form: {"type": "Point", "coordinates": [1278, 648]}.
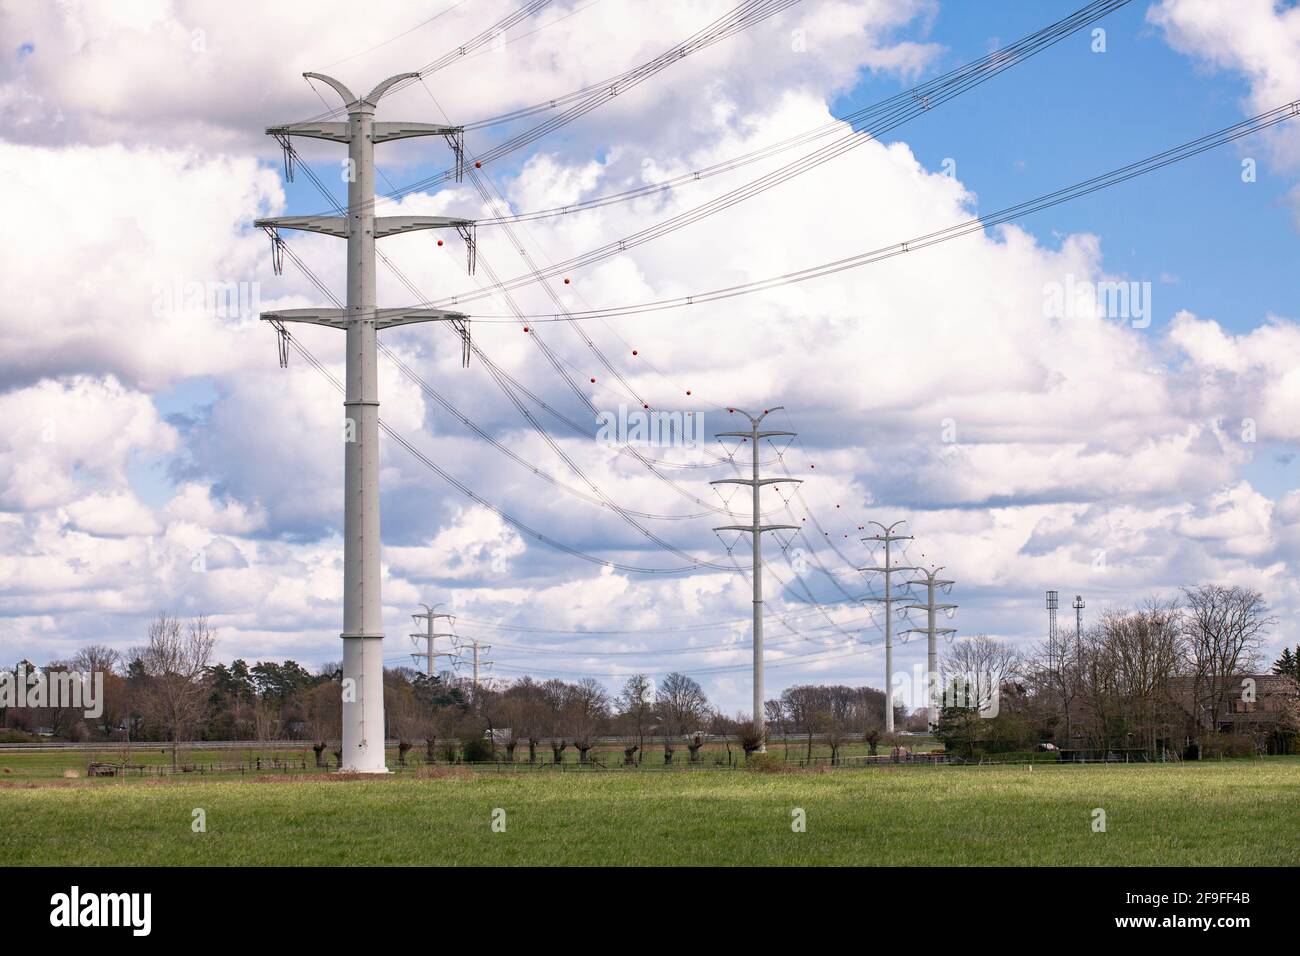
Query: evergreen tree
{"type": "Point", "coordinates": [1288, 665]}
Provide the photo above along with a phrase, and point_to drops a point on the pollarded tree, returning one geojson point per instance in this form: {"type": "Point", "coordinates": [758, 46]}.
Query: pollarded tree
{"type": "Point", "coordinates": [587, 714]}
{"type": "Point", "coordinates": [636, 703]}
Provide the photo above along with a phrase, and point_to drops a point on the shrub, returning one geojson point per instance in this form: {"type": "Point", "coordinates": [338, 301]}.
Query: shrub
{"type": "Point", "coordinates": [764, 762]}
{"type": "Point", "coordinates": [1228, 745]}
{"type": "Point", "coordinates": [476, 749]}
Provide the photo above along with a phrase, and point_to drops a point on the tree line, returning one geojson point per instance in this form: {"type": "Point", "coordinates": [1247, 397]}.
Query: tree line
{"type": "Point", "coordinates": [1143, 678]}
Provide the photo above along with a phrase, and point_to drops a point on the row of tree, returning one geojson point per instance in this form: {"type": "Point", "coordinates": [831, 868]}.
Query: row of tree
{"type": "Point", "coordinates": [1167, 675]}
{"type": "Point", "coordinates": [1141, 678]}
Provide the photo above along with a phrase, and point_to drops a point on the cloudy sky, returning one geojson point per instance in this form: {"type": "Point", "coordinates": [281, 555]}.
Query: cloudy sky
{"type": "Point", "coordinates": [156, 456]}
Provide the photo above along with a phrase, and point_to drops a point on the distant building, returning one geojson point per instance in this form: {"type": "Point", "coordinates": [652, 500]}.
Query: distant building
{"type": "Point", "coordinates": [1251, 704]}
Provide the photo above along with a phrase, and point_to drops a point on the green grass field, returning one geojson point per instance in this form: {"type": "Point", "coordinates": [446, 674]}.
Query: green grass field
{"type": "Point", "coordinates": [1243, 812]}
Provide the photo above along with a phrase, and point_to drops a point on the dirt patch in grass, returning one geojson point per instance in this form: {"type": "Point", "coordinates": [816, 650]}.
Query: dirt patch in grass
{"type": "Point", "coordinates": [444, 773]}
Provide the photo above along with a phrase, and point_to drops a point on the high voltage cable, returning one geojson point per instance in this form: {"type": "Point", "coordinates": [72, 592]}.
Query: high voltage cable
{"type": "Point", "coordinates": [597, 632]}
{"type": "Point", "coordinates": [895, 110]}
{"type": "Point", "coordinates": [518, 524]}
{"type": "Point", "coordinates": [738, 19]}
{"type": "Point", "coordinates": [483, 433]}
{"type": "Point", "coordinates": [502, 381]}
{"type": "Point", "coordinates": [1187, 150]}
{"type": "Point", "coordinates": [901, 113]}
{"type": "Point", "coordinates": [792, 660]}
{"type": "Point", "coordinates": [720, 648]}
{"type": "Point", "coordinates": [479, 185]}
{"type": "Point", "coordinates": [419, 26]}
{"type": "Point", "coordinates": [927, 95]}
{"type": "Point", "coordinates": [485, 37]}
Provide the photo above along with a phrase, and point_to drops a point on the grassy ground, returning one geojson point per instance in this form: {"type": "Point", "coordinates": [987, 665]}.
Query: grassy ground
{"type": "Point", "coordinates": [1244, 812]}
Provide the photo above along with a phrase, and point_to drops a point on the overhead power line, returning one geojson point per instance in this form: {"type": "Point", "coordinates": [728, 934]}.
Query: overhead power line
{"type": "Point", "coordinates": [1114, 177]}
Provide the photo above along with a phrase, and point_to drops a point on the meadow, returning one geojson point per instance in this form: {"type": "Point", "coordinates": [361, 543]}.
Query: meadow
{"type": "Point", "coordinates": [1236, 812]}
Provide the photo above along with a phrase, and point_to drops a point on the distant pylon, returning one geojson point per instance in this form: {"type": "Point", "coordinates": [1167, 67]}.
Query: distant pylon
{"type": "Point", "coordinates": [475, 647]}
{"type": "Point", "coordinates": [931, 581]}
{"type": "Point", "coordinates": [429, 636]}
{"type": "Point", "coordinates": [755, 530]}
{"type": "Point", "coordinates": [888, 537]}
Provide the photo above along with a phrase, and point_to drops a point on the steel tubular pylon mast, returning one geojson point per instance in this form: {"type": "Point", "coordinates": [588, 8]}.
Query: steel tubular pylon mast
{"type": "Point", "coordinates": [756, 529]}
{"type": "Point", "coordinates": [363, 662]}
{"type": "Point", "coordinates": [429, 636]}
{"type": "Point", "coordinates": [889, 600]}
{"type": "Point", "coordinates": [931, 581]}
{"type": "Point", "coordinates": [475, 647]}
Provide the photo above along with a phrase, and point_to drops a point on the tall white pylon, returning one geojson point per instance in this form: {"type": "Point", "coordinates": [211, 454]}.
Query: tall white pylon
{"type": "Point", "coordinates": [888, 600]}
{"type": "Point", "coordinates": [430, 637]}
{"type": "Point", "coordinates": [363, 657]}
{"type": "Point", "coordinates": [756, 529]}
{"type": "Point", "coordinates": [931, 581]}
{"type": "Point", "coordinates": [475, 647]}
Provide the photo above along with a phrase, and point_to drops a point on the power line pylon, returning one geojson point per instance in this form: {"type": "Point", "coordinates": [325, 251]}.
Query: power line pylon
{"type": "Point", "coordinates": [475, 647]}
{"type": "Point", "coordinates": [363, 635]}
{"type": "Point", "coordinates": [889, 600]}
{"type": "Point", "coordinates": [430, 636]}
{"type": "Point", "coordinates": [756, 529]}
{"type": "Point", "coordinates": [931, 581]}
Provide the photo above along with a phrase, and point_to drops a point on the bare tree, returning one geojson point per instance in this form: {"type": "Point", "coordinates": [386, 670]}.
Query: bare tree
{"type": "Point", "coordinates": [1149, 654]}
{"type": "Point", "coordinates": [1224, 628]}
{"type": "Point", "coordinates": [682, 704]}
{"type": "Point", "coordinates": [981, 665]}
{"type": "Point", "coordinates": [174, 659]}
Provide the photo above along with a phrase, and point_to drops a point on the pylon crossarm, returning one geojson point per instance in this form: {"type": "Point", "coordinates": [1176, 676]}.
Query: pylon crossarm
{"type": "Point", "coordinates": [336, 226]}
{"type": "Point", "coordinates": [344, 93]}
{"type": "Point", "coordinates": [385, 132]}
{"type": "Point", "coordinates": [335, 132]}
{"type": "Point", "coordinates": [398, 225]}
{"type": "Point", "coordinates": [388, 318]}
{"type": "Point", "coordinates": [384, 85]}
{"type": "Point", "coordinates": [735, 527]}
{"type": "Point", "coordinates": [334, 318]}
{"type": "Point", "coordinates": [751, 481]}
